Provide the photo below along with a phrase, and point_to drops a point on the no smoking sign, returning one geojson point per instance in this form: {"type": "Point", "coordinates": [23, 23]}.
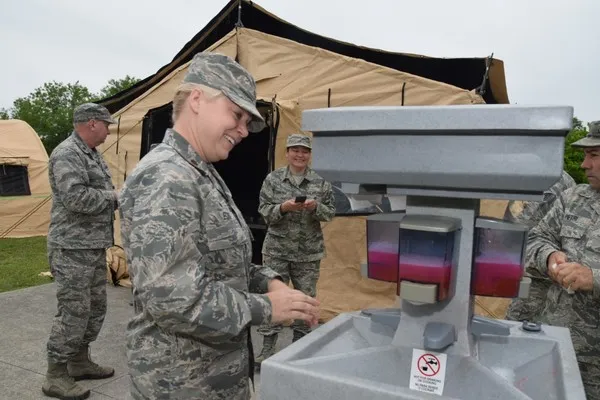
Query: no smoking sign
{"type": "Point", "coordinates": [428, 371]}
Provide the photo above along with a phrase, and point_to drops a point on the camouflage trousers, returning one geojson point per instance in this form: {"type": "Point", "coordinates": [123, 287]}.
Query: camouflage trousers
{"type": "Point", "coordinates": [304, 277]}
{"type": "Point", "coordinates": [80, 277]}
{"type": "Point", "coordinates": [530, 308]}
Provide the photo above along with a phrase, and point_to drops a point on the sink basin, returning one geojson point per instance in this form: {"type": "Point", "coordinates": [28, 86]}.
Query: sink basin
{"type": "Point", "coordinates": [352, 357]}
{"type": "Point", "coordinates": [530, 368]}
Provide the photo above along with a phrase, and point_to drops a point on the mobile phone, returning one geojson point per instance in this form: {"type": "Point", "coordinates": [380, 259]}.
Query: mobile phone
{"type": "Point", "coordinates": [300, 199]}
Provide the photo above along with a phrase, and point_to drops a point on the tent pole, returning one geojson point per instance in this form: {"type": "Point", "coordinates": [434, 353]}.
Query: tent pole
{"type": "Point", "coordinates": [488, 62]}
{"type": "Point", "coordinates": [273, 128]}
{"type": "Point", "coordinates": [403, 86]}
{"type": "Point", "coordinates": [118, 131]}
{"type": "Point", "coordinates": [239, 23]}
{"type": "Point", "coordinates": [125, 171]}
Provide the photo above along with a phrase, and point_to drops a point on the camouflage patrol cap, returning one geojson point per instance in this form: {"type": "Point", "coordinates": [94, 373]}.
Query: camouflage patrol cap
{"type": "Point", "coordinates": [89, 111]}
{"type": "Point", "coordinates": [222, 73]}
{"type": "Point", "coordinates": [299, 140]}
{"type": "Point", "coordinates": [592, 139]}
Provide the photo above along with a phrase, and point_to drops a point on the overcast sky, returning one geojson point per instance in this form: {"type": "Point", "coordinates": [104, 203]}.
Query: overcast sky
{"type": "Point", "coordinates": [551, 48]}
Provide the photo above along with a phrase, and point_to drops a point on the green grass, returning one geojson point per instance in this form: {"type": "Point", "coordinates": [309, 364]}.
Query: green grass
{"type": "Point", "coordinates": [21, 261]}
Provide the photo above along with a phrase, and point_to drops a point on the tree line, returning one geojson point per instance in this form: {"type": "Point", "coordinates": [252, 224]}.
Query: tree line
{"type": "Point", "coordinates": [49, 111]}
{"type": "Point", "coordinates": [49, 108]}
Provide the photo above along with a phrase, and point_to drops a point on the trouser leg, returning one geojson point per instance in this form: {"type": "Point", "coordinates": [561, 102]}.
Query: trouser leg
{"type": "Point", "coordinates": [73, 277]}
{"type": "Point", "coordinates": [304, 277]}
{"type": "Point", "coordinates": [97, 259]}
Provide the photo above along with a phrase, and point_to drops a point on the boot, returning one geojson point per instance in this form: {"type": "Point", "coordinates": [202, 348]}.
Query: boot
{"type": "Point", "coordinates": [82, 367]}
{"type": "Point", "coordinates": [59, 384]}
{"type": "Point", "coordinates": [298, 335]}
{"type": "Point", "coordinates": [268, 349]}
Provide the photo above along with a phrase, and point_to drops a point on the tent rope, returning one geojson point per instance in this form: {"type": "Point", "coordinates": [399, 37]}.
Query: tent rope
{"type": "Point", "coordinates": [24, 217]}
{"type": "Point", "coordinates": [125, 134]}
{"type": "Point", "coordinates": [486, 309]}
{"type": "Point", "coordinates": [47, 199]}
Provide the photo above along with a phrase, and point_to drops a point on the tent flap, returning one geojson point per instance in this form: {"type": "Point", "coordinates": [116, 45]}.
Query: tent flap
{"type": "Point", "coordinates": [22, 161]}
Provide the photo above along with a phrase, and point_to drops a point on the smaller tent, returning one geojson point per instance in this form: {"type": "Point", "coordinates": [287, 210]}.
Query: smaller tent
{"type": "Point", "coordinates": [24, 188]}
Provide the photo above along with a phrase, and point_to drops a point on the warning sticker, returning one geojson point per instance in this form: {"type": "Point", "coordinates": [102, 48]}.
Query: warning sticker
{"type": "Point", "coordinates": [428, 371]}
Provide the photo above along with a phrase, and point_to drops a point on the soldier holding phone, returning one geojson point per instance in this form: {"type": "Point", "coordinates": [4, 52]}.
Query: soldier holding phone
{"type": "Point", "coordinates": [294, 200]}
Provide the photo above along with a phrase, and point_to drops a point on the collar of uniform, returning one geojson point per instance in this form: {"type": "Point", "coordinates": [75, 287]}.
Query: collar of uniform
{"type": "Point", "coordinates": [310, 175]}
{"type": "Point", "coordinates": [80, 143]}
{"type": "Point", "coordinates": [589, 192]}
{"type": "Point", "coordinates": [594, 195]}
{"type": "Point", "coordinates": [185, 149]}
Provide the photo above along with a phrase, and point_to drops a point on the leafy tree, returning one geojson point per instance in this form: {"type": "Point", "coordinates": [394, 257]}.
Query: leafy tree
{"type": "Point", "coordinates": [49, 108]}
{"type": "Point", "coordinates": [115, 86]}
{"type": "Point", "coordinates": [578, 125]}
{"type": "Point", "coordinates": [574, 157]}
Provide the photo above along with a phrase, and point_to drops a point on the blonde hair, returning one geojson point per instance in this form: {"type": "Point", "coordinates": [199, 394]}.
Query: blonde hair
{"type": "Point", "coordinates": [183, 92]}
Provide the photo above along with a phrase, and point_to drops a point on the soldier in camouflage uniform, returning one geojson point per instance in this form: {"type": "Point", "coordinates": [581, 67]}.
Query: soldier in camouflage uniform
{"type": "Point", "coordinates": [81, 229]}
{"type": "Point", "coordinates": [530, 213]}
{"type": "Point", "coordinates": [565, 246]}
{"type": "Point", "coordinates": [196, 292]}
{"type": "Point", "coordinates": [294, 243]}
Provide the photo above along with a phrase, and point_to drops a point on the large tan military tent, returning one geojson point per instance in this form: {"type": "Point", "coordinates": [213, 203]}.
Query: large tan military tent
{"type": "Point", "coordinates": [24, 188]}
{"type": "Point", "coordinates": [297, 70]}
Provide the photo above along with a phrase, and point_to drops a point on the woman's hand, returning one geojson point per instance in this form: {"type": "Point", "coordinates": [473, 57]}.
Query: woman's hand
{"type": "Point", "coordinates": [290, 304]}
{"type": "Point", "coordinates": [310, 205]}
{"type": "Point", "coordinates": [291, 205]}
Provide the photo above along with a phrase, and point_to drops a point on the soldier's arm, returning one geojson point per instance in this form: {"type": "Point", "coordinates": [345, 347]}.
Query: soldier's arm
{"type": "Point", "coordinates": [544, 238]}
{"type": "Point", "coordinates": [167, 252]}
{"type": "Point", "coordinates": [260, 276]}
{"type": "Point", "coordinates": [267, 207]}
{"type": "Point", "coordinates": [325, 210]}
{"type": "Point", "coordinates": [72, 184]}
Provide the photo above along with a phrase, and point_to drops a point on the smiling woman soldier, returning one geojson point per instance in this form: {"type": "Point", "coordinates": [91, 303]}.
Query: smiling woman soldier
{"type": "Point", "coordinates": [189, 249]}
{"type": "Point", "coordinates": [294, 200]}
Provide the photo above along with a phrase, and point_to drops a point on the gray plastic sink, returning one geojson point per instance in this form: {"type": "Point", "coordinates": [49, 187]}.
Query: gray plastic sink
{"type": "Point", "coordinates": [352, 357]}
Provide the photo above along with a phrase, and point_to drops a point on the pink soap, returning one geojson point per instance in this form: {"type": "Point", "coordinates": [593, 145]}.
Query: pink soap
{"type": "Point", "coordinates": [382, 262]}
{"type": "Point", "coordinates": [383, 272]}
{"type": "Point", "coordinates": [380, 257]}
{"type": "Point", "coordinates": [426, 269]}
{"type": "Point", "coordinates": [497, 276]}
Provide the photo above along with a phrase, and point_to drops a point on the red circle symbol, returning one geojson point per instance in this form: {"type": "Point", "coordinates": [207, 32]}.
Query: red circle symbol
{"type": "Point", "coordinates": [428, 364]}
